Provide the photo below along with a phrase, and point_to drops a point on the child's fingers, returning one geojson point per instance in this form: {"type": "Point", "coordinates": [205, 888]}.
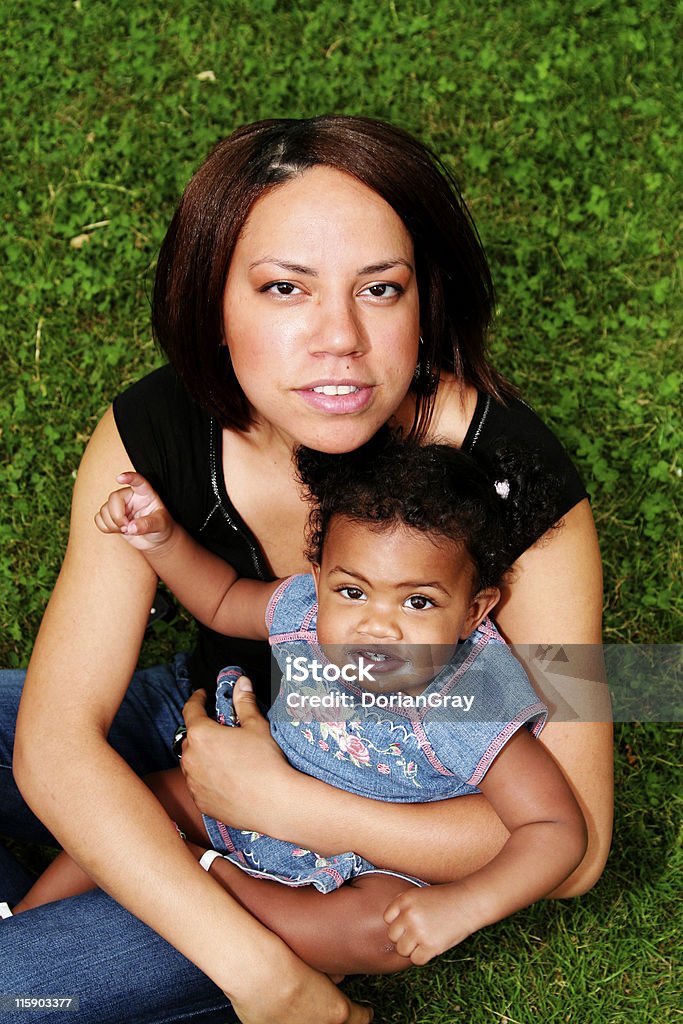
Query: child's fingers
{"type": "Point", "coordinates": [113, 515]}
{"type": "Point", "coordinates": [405, 945]}
{"type": "Point", "coordinates": [104, 527]}
{"type": "Point", "coordinates": [152, 522]}
{"type": "Point", "coordinates": [116, 506]}
{"type": "Point", "coordinates": [396, 930]}
{"type": "Point", "coordinates": [195, 708]}
{"type": "Point", "coordinates": [409, 945]}
{"type": "Point", "coordinates": [421, 955]}
{"type": "Point", "coordinates": [140, 486]}
{"type": "Point", "coordinates": [408, 940]}
{"type": "Point", "coordinates": [395, 920]}
{"type": "Point", "coordinates": [399, 904]}
{"type": "Point", "coordinates": [400, 930]}
{"type": "Point", "coordinates": [392, 912]}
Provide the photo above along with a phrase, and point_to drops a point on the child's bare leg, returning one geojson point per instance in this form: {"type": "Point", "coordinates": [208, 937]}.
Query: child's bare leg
{"type": "Point", "coordinates": [171, 790]}
{"type": "Point", "coordinates": [310, 922]}
{"type": "Point", "coordinates": [60, 879]}
{"type": "Point", "coordinates": [307, 920]}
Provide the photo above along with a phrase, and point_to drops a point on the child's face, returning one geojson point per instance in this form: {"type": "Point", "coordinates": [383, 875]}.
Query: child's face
{"type": "Point", "coordinates": [397, 598]}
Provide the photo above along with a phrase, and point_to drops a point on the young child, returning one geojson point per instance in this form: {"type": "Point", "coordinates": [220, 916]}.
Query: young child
{"type": "Point", "coordinates": [395, 684]}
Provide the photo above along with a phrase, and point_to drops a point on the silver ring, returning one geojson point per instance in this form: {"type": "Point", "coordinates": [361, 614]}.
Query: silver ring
{"type": "Point", "coordinates": [178, 736]}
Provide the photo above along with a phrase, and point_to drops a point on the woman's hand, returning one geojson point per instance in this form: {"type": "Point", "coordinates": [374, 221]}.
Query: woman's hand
{"type": "Point", "coordinates": [225, 768]}
{"type": "Point", "coordinates": [300, 996]}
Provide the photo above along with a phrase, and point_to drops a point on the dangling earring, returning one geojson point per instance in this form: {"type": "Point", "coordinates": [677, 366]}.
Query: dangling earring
{"type": "Point", "coordinates": [417, 374]}
{"type": "Point", "coordinates": [424, 379]}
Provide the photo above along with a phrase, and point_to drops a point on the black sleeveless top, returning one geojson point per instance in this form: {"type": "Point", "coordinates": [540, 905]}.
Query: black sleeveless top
{"type": "Point", "coordinates": [177, 445]}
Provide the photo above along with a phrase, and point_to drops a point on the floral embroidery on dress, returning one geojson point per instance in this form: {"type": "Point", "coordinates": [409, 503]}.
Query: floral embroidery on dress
{"type": "Point", "coordinates": [345, 742]}
{"type": "Point", "coordinates": [349, 744]}
{"type": "Point", "coordinates": [320, 862]}
{"type": "Point", "coordinates": [356, 749]}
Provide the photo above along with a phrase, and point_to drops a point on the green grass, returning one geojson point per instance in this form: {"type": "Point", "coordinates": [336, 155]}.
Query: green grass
{"type": "Point", "coordinates": [610, 957]}
{"type": "Point", "coordinates": [562, 122]}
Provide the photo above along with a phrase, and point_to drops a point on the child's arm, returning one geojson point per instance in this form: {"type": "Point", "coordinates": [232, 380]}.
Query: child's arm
{"type": "Point", "coordinates": [208, 587]}
{"type": "Point", "coordinates": [547, 841]}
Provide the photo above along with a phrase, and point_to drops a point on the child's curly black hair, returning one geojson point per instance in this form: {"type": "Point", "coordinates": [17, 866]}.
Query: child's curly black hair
{"type": "Point", "coordinates": [495, 509]}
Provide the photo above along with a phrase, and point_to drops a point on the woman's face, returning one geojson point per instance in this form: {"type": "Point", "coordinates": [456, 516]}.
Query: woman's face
{"type": "Point", "coordinates": [321, 311]}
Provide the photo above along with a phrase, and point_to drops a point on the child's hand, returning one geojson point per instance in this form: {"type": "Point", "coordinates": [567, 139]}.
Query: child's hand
{"type": "Point", "coordinates": [137, 512]}
{"type": "Point", "coordinates": [426, 922]}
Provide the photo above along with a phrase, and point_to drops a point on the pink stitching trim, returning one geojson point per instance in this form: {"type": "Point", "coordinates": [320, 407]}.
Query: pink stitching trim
{"type": "Point", "coordinates": [275, 598]}
{"type": "Point", "coordinates": [225, 836]}
{"type": "Point", "coordinates": [304, 632]}
{"type": "Point", "coordinates": [502, 738]}
{"type": "Point", "coordinates": [481, 643]}
{"type": "Point", "coordinates": [486, 626]}
{"type": "Point", "coordinates": [310, 615]}
{"type": "Point", "coordinates": [281, 638]}
{"type": "Point", "coordinates": [331, 871]}
{"type": "Point", "coordinates": [427, 750]}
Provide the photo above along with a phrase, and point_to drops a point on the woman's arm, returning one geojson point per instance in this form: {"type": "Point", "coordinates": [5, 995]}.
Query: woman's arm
{"type": "Point", "coordinates": [555, 599]}
{"type": "Point", "coordinates": [556, 595]}
{"type": "Point", "coordinates": [93, 803]}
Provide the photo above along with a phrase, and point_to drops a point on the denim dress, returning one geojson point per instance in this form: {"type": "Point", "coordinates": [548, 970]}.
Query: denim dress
{"type": "Point", "coordinates": [393, 748]}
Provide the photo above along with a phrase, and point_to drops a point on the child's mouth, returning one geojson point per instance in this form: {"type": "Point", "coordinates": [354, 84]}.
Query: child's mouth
{"type": "Point", "coordinates": [381, 660]}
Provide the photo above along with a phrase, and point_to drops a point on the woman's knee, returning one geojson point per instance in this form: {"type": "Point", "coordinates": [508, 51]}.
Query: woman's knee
{"type": "Point", "coordinates": [107, 959]}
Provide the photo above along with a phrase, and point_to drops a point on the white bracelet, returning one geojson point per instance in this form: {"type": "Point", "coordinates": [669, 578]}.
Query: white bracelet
{"type": "Point", "coordinates": [207, 858]}
{"type": "Point", "coordinates": [5, 911]}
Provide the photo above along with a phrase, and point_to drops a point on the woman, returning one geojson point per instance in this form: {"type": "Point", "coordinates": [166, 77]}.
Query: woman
{"type": "Point", "coordinates": [319, 279]}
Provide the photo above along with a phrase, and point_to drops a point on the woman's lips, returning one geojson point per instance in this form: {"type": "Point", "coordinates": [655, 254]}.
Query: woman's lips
{"type": "Point", "coordinates": [342, 398]}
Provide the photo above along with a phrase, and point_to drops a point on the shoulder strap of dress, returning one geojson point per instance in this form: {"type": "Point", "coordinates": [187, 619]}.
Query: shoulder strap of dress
{"type": "Point", "coordinates": [477, 422]}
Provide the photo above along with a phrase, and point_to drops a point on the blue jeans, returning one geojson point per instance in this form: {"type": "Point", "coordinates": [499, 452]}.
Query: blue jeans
{"type": "Point", "coordinates": [89, 946]}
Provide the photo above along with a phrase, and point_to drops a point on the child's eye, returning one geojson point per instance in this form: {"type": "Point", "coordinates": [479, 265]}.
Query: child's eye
{"type": "Point", "coordinates": [418, 602]}
{"type": "Point", "coordinates": [382, 290]}
{"type": "Point", "coordinates": [352, 593]}
{"type": "Point", "coordinates": [281, 288]}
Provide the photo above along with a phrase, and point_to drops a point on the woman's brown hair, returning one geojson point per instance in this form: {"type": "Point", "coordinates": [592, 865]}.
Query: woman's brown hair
{"type": "Point", "coordinates": [454, 281]}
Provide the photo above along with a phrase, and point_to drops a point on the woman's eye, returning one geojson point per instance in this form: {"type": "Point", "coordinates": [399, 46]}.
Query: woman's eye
{"type": "Point", "coordinates": [382, 290]}
{"type": "Point", "coordinates": [351, 593]}
{"type": "Point", "coordinates": [281, 288]}
{"type": "Point", "coordinates": [418, 602]}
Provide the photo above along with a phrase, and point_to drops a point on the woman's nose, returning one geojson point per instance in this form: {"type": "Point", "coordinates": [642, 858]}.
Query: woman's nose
{"type": "Point", "coordinates": [338, 331]}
